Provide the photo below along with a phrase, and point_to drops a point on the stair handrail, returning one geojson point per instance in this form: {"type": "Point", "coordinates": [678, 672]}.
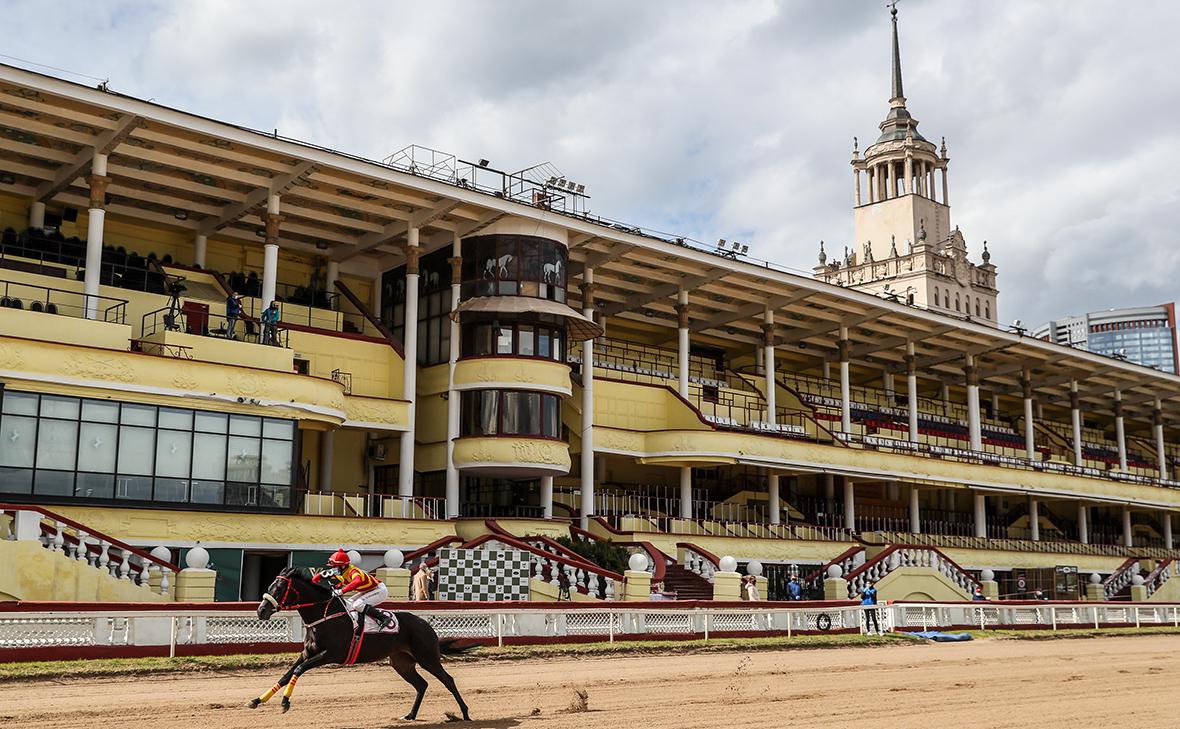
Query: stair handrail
{"type": "Point", "coordinates": [146, 556]}
{"type": "Point", "coordinates": [1163, 571]}
{"type": "Point", "coordinates": [658, 561]}
{"type": "Point", "coordinates": [540, 541]}
{"type": "Point", "coordinates": [908, 555]}
{"type": "Point", "coordinates": [371, 317]}
{"type": "Point", "coordinates": [1120, 578]}
{"type": "Point", "coordinates": [429, 549]}
{"type": "Point", "coordinates": [844, 560]}
{"type": "Point", "coordinates": [699, 560]}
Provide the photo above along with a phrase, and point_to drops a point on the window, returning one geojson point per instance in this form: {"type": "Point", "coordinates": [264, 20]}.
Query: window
{"type": "Point", "coordinates": [535, 337]}
{"type": "Point", "coordinates": [514, 265]}
{"type": "Point", "coordinates": [957, 302]}
{"type": "Point", "coordinates": [936, 296]}
{"type": "Point", "coordinates": [495, 412]}
{"type": "Point", "coordinates": [434, 305]}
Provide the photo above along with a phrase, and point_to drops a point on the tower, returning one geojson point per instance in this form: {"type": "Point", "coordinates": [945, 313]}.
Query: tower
{"type": "Point", "coordinates": [905, 247]}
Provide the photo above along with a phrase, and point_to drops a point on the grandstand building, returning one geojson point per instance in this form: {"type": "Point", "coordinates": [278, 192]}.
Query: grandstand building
{"type": "Point", "coordinates": [462, 352]}
{"type": "Point", "coordinates": [1144, 334]}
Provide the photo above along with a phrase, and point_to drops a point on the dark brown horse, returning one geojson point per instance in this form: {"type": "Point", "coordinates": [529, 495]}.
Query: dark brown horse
{"type": "Point", "coordinates": [329, 636]}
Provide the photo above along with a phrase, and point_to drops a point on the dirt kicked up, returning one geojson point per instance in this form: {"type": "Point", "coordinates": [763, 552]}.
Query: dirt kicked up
{"type": "Point", "coordinates": [1103, 682]}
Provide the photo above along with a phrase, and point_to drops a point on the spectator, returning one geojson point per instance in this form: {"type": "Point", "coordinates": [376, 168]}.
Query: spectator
{"type": "Point", "coordinates": [750, 588]}
{"type": "Point", "coordinates": [233, 310]}
{"type": "Point", "coordinates": [868, 598]}
{"type": "Point", "coordinates": [270, 323]}
{"type": "Point", "coordinates": [978, 595]}
{"type": "Point", "coordinates": [422, 583]}
{"type": "Point", "coordinates": [794, 589]}
{"type": "Point", "coordinates": [1040, 595]}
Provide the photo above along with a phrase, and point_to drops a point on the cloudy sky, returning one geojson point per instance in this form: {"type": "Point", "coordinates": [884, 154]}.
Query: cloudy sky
{"type": "Point", "coordinates": [709, 119]}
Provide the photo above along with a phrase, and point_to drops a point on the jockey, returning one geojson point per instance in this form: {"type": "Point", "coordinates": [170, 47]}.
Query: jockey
{"type": "Point", "coordinates": [358, 590]}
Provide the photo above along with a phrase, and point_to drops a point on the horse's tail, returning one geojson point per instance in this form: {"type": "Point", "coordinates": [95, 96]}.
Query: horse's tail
{"type": "Point", "coordinates": [455, 646]}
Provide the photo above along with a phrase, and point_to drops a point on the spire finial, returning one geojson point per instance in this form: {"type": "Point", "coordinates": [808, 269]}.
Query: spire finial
{"type": "Point", "coordinates": [823, 256]}
{"type": "Point", "coordinates": [898, 93]}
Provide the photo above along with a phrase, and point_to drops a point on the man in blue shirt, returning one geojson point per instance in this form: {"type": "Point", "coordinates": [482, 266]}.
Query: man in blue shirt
{"type": "Point", "coordinates": [868, 597]}
{"type": "Point", "coordinates": [233, 310]}
{"type": "Point", "coordinates": [270, 323]}
{"type": "Point", "coordinates": [794, 591]}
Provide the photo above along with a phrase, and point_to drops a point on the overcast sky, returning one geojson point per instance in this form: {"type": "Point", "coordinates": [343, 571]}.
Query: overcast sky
{"type": "Point", "coordinates": [710, 119]}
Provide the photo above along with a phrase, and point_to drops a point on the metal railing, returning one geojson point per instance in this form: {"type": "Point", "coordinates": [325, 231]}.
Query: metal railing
{"type": "Point", "coordinates": [378, 506]}
{"type": "Point", "coordinates": [211, 325]}
{"type": "Point", "coordinates": [44, 299]}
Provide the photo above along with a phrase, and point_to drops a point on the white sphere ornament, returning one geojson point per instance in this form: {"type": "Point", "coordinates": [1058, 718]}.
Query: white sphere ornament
{"type": "Point", "coordinates": [727, 564]}
{"type": "Point", "coordinates": [393, 558]}
{"type": "Point", "coordinates": [754, 567]}
{"type": "Point", "coordinates": [987, 575]}
{"type": "Point", "coordinates": [835, 572]}
{"type": "Point", "coordinates": [637, 562]}
{"type": "Point", "coordinates": [1137, 580]}
{"type": "Point", "coordinates": [197, 558]}
{"type": "Point", "coordinates": [162, 553]}
{"type": "Point", "coordinates": [1095, 578]}
{"type": "Point", "coordinates": [354, 557]}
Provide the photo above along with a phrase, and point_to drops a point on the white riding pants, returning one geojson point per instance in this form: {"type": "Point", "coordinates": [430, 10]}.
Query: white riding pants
{"type": "Point", "coordinates": [357, 600]}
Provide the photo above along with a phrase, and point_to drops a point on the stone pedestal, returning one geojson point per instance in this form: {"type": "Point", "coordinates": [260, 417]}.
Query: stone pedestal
{"type": "Point", "coordinates": [638, 585]}
{"type": "Point", "coordinates": [1094, 592]}
{"type": "Point", "coordinates": [397, 581]}
{"type": "Point", "coordinates": [727, 586]}
{"type": "Point", "coordinates": [990, 589]}
{"type": "Point", "coordinates": [763, 585]}
{"type": "Point", "coordinates": [196, 585]}
{"type": "Point", "coordinates": [835, 588]}
{"type": "Point", "coordinates": [1138, 593]}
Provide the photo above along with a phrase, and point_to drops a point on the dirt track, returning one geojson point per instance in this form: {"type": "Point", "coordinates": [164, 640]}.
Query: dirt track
{"type": "Point", "coordinates": [1106, 682]}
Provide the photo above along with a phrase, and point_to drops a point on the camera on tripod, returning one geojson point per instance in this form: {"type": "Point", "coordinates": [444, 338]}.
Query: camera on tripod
{"type": "Point", "coordinates": [175, 290]}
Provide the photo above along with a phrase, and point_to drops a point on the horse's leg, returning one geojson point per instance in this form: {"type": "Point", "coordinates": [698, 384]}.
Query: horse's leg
{"type": "Point", "coordinates": [279, 685]}
{"type": "Point", "coordinates": [299, 670]}
{"type": "Point", "coordinates": [403, 663]}
{"type": "Point", "coordinates": [432, 664]}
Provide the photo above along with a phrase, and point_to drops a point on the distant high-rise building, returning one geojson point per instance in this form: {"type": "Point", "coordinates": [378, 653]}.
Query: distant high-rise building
{"type": "Point", "coordinates": [1145, 334]}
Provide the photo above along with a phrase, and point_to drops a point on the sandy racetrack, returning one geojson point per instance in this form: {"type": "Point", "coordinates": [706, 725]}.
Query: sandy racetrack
{"type": "Point", "coordinates": [1104, 682]}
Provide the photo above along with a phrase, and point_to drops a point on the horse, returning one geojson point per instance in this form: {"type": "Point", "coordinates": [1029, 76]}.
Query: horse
{"type": "Point", "coordinates": [329, 627]}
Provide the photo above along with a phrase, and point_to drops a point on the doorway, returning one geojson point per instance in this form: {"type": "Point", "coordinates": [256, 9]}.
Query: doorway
{"type": "Point", "coordinates": [259, 570]}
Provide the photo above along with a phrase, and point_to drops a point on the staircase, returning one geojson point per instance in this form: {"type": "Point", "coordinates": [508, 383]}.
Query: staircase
{"type": "Point", "coordinates": [687, 585]}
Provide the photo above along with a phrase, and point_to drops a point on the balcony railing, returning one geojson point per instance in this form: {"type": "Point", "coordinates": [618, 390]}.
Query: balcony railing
{"type": "Point", "coordinates": [170, 319]}
{"type": "Point", "coordinates": [377, 506]}
{"type": "Point", "coordinates": [30, 297]}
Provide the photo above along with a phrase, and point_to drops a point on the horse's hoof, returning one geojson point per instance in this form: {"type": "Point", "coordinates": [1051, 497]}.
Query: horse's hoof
{"type": "Point", "coordinates": [286, 706]}
{"type": "Point", "coordinates": [409, 717]}
{"type": "Point", "coordinates": [254, 703]}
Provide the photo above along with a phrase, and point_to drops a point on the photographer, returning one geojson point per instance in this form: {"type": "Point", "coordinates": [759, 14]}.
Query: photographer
{"type": "Point", "coordinates": [233, 310]}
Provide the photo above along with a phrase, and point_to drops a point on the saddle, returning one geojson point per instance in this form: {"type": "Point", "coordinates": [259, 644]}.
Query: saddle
{"type": "Point", "coordinates": [364, 625]}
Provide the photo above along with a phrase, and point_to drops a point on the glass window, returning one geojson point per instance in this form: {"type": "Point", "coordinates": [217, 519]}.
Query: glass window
{"type": "Point", "coordinates": [136, 448]}
{"type": "Point", "coordinates": [53, 406]}
{"type": "Point", "coordinates": [281, 429]}
{"type": "Point", "coordinates": [100, 411]}
{"type": "Point", "coordinates": [20, 403]}
{"type": "Point", "coordinates": [97, 447]}
{"type": "Point", "coordinates": [245, 425]}
{"type": "Point", "coordinates": [95, 486]}
{"type": "Point", "coordinates": [57, 445]}
{"type": "Point", "coordinates": [552, 415]}
{"type": "Point", "coordinates": [174, 452]}
{"type": "Point", "coordinates": [176, 419]}
{"type": "Point", "coordinates": [211, 422]}
{"type": "Point", "coordinates": [526, 340]}
{"type": "Point", "coordinates": [138, 415]}
{"type": "Point", "coordinates": [135, 488]}
{"type": "Point", "coordinates": [488, 413]}
{"type": "Point", "coordinates": [54, 483]}
{"type": "Point", "coordinates": [209, 456]}
{"type": "Point", "coordinates": [243, 460]}
{"type": "Point", "coordinates": [16, 480]}
{"type": "Point", "coordinates": [503, 339]}
{"type": "Point", "coordinates": [18, 439]}
{"type": "Point", "coordinates": [544, 343]}
{"type": "Point", "coordinates": [276, 461]}
{"type": "Point", "coordinates": [207, 492]}
{"type": "Point", "coordinates": [171, 489]}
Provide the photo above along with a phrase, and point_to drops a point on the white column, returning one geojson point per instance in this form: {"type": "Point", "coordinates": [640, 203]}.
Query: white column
{"type": "Point", "coordinates": [547, 496]}
{"type": "Point", "coordinates": [1083, 524]}
{"type": "Point", "coordinates": [587, 506]}
{"type": "Point", "coordinates": [682, 340]}
{"type": "Point", "coordinates": [1120, 429]}
{"type": "Point", "coordinates": [1075, 414]}
{"type": "Point", "coordinates": [827, 370]}
{"type": "Point", "coordinates": [915, 515]}
{"type": "Point", "coordinates": [452, 478]}
{"type": "Point", "coordinates": [849, 506]}
{"type": "Point", "coordinates": [270, 254]}
{"type": "Point", "coordinates": [890, 182]}
{"type": "Point", "coordinates": [973, 429]}
{"type": "Point", "coordinates": [774, 498]}
{"type": "Point", "coordinates": [1161, 454]}
{"type": "Point", "coordinates": [1034, 519]}
{"type": "Point", "coordinates": [96, 218]}
{"type": "Point", "coordinates": [685, 492]}
{"type": "Point", "coordinates": [405, 470]}
{"type": "Point", "coordinates": [333, 274]}
{"type": "Point", "coordinates": [768, 356]}
{"type": "Point", "coordinates": [845, 396]}
{"type": "Point", "coordinates": [1128, 538]}
{"type": "Point", "coordinates": [911, 382]}
{"type": "Point", "coordinates": [980, 516]}
{"type": "Point", "coordinates": [1030, 437]}
{"type": "Point", "coordinates": [375, 296]}
{"type": "Point", "coordinates": [327, 443]}
{"type": "Point", "coordinates": [37, 215]}
{"type": "Point", "coordinates": [907, 184]}
{"type": "Point", "coordinates": [1168, 530]}
{"type": "Point", "coordinates": [856, 184]}
{"type": "Point", "coordinates": [200, 249]}
{"type": "Point", "coordinates": [946, 198]}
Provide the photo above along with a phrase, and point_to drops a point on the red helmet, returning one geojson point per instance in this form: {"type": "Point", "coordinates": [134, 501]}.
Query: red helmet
{"type": "Point", "coordinates": [339, 559]}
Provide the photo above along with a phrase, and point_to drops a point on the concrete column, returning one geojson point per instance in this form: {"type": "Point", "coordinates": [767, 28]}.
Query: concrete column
{"type": "Point", "coordinates": [774, 498]}
{"type": "Point", "coordinates": [892, 491]}
{"type": "Point", "coordinates": [975, 434]}
{"type": "Point", "coordinates": [911, 382]}
{"type": "Point", "coordinates": [849, 505]}
{"type": "Point", "coordinates": [587, 505]}
{"type": "Point", "coordinates": [405, 471]}
{"type": "Point", "coordinates": [453, 414]}
{"type": "Point", "coordinates": [1083, 524]}
{"type": "Point", "coordinates": [37, 215]}
{"type": "Point", "coordinates": [946, 394]}
{"type": "Point", "coordinates": [915, 515]}
{"type": "Point", "coordinates": [270, 250]}
{"type": "Point", "coordinates": [769, 366]}
{"type": "Point", "coordinates": [1075, 413]}
{"type": "Point", "coordinates": [200, 248]}
{"type": "Point", "coordinates": [890, 182]}
{"type": "Point", "coordinates": [685, 492]}
{"type": "Point", "coordinates": [547, 496]}
{"type": "Point", "coordinates": [946, 198]}
{"type": "Point", "coordinates": [1168, 530]}
{"type": "Point", "coordinates": [1120, 429]}
{"type": "Point", "coordinates": [845, 396]}
{"type": "Point", "coordinates": [333, 274]}
{"type": "Point", "coordinates": [1030, 437]}
{"type": "Point", "coordinates": [829, 488]}
{"type": "Point", "coordinates": [980, 515]}
{"type": "Point", "coordinates": [856, 185]}
{"type": "Point", "coordinates": [1128, 539]}
{"type": "Point", "coordinates": [1034, 519]}
{"type": "Point", "coordinates": [827, 370]}
{"type": "Point", "coordinates": [327, 445]}
{"type": "Point", "coordinates": [907, 185]}
{"type": "Point", "coordinates": [375, 295]}
{"type": "Point", "coordinates": [1157, 417]}
{"type": "Point", "coordinates": [682, 340]}
{"type": "Point", "coordinates": [96, 218]}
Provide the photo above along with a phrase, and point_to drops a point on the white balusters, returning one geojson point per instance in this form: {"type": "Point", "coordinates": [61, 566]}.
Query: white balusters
{"type": "Point", "coordinates": [58, 536]}
{"type": "Point", "coordinates": [104, 557]}
{"type": "Point", "coordinates": [124, 565]}
{"type": "Point", "coordinates": [164, 583]}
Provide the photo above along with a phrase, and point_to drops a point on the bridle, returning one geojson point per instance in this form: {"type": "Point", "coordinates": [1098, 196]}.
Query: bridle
{"type": "Point", "coordinates": [281, 603]}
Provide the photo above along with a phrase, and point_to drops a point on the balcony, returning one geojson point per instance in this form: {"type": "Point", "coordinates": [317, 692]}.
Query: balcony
{"type": "Point", "coordinates": [29, 311]}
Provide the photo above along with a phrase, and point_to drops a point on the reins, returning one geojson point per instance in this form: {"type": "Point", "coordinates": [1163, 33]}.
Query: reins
{"type": "Point", "coordinates": [281, 604]}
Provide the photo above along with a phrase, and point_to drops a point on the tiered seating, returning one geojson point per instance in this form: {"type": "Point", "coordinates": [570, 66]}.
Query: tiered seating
{"type": "Point", "coordinates": [119, 268]}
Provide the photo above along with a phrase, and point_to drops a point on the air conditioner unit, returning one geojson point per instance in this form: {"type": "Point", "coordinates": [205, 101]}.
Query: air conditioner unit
{"type": "Point", "coordinates": [377, 452]}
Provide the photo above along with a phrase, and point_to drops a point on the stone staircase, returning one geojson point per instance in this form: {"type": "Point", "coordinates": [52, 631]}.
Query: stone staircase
{"type": "Point", "coordinates": [687, 585]}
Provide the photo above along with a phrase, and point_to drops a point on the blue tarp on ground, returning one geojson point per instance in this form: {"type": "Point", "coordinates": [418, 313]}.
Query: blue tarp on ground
{"type": "Point", "coordinates": [940, 637]}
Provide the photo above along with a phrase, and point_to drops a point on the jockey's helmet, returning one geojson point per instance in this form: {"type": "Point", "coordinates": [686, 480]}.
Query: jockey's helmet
{"type": "Point", "coordinates": [339, 559]}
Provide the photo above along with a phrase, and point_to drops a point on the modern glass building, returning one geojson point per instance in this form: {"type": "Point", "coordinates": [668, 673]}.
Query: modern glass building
{"type": "Point", "coordinates": [1146, 335]}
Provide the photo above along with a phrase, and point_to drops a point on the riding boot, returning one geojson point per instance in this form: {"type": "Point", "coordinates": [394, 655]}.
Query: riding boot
{"type": "Point", "coordinates": [378, 615]}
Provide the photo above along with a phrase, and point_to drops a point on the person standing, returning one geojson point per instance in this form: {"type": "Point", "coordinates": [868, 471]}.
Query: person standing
{"type": "Point", "coordinates": [868, 599]}
{"type": "Point", "coordinates": [794, 590]}
{"type": "Point", "coordinates": [750, 590]}
{"type": "Point", "coordinates": [422, 583]}
{"type": "Point", "coordinates": [233, 311]}
{"type": "Point", "coordinates": [270, 324]}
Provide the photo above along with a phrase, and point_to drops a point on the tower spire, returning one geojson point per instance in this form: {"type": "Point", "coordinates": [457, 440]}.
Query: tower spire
{"type": "Point", "coordinates": [898, 92]}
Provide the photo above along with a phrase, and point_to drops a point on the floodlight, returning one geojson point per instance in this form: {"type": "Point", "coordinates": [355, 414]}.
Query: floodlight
{"type": "Point", "coordinates": [720, 242]}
